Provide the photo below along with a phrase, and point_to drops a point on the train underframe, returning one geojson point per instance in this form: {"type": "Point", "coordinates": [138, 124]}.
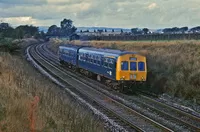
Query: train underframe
{"type": "Point", "coordinates": [121, 86]}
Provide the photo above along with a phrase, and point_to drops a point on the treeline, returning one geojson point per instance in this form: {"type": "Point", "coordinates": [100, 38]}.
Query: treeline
{"type": "Point", "coordinates": [8, 34]}
{"type": "Point", "coordinates": [20, 32]}
{"type": "Point", "coordinates": [182, 30]}
{"type": "Point", "coordinates": [173, 30]}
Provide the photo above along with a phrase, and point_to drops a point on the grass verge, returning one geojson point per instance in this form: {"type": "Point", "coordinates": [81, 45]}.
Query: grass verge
{"type": "Point", "coordinates": [19, 83]}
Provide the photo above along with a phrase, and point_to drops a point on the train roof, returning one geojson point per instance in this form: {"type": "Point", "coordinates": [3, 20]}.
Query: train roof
{"type": "Point", "coordinates": [71, 46]}
{"type": "Point", "coordinates": [101, 51]}
{"type": "Point", "coordinates": [105, 51]}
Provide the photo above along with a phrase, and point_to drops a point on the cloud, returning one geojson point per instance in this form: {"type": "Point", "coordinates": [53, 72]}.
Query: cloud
{"type": "Point", "coordinates": [19, 20]}
{"type": "Point", "coordinates": [152, 6]}
{"type": "Point", "coordinates": [110, 13]}
{"type": "Point", "coordinates": [23, 2]}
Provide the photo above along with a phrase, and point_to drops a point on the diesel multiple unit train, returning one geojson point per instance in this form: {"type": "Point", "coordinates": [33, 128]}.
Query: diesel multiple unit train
{"type": "Point", "coordinates": [119, 69]}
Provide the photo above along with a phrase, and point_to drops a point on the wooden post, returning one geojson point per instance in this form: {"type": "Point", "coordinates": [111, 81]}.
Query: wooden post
{"type": "Point", "coordinates": [32, 113]}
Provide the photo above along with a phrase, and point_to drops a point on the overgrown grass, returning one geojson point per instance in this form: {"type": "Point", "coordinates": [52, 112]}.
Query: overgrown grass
{"type": "Point", "coordinates": [173, 66]}
{"type": "Point", "coordinates": [19, 83]}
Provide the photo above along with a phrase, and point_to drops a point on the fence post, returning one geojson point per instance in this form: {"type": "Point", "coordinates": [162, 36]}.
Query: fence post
{"type": "Point", "coordinates": [32, 113]}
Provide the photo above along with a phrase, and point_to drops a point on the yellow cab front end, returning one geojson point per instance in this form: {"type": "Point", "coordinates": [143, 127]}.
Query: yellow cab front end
{"type": "Point", "coordinates": [131, 67]}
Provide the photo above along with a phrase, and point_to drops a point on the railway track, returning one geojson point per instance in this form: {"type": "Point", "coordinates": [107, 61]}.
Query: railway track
{"type": "Point", "coordinates": [176, 119]}
{"type": "Point", "coordinates": [123, 115]}
{"type": "Point", "coordinates": [186, 121]}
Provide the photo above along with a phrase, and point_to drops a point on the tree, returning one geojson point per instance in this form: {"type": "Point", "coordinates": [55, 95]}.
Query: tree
{"type": "Point", "coordinates": [4, 26]}
{"type": "Point", "coordinates": [67, 28]}
{"type": "Point", "coordinates": [167, 30]}
{"type": "Point", "coordinates": [53, 31]}
{"type": "Point", "coordinates": [175, 29]}
{"type": "Point", "coordinates": [195, 29]}
{"type": "Point", "coordinates": [183, 29]}
{"type": "Point", "coordinates": [6, 30]}
{"type": "Point", "coordinates": [134, 30]}
{"type": "Point", "coordinates": [42, 35]}
{"type": "Point", "coordinates": [145, 30]}
{"type": "Point", "coordinates": [66, 23]}
{"type": "Point", "coordinates": [19, 33]}
{"type": "Point", "coordinates": [25, 31]}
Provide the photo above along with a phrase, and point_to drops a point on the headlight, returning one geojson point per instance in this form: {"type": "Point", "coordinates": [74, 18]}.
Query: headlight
{"type": "Point", "coordinates": [122, 78]}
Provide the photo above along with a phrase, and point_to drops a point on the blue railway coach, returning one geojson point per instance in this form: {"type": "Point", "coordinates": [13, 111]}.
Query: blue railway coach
{"type": "Point", "coordinates": [69, 54]}
{"type": "Point", "coordinates": [99, 61]}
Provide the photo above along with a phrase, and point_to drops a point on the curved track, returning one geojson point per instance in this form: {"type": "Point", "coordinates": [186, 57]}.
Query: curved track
{"type": "Point", "coordinates": [174, 118]}
{"type": "Point", "coordinates": [120, 110]}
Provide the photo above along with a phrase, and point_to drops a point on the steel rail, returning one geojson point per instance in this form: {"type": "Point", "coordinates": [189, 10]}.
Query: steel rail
{"type": "Point", "coordinates": [191, 119]}
{"type": "Point", "coordinates": [118, 105]}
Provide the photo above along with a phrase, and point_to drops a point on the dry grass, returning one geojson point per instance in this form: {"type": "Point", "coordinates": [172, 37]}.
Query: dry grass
{"type": "Point", "coordinates": [19, 83]}
{"type": "Point", "coordinates": [173, 66]}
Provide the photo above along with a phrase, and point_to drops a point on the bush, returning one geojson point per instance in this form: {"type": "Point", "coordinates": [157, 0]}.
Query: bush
{"type": "Point", "coordinates": [7, 45]}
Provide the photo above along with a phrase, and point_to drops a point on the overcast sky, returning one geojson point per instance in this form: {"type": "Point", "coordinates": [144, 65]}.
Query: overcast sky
{"type": "Point", "coordinates": [108, 13]}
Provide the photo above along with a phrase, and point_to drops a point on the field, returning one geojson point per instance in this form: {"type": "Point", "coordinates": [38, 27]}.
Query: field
{"type": "Point", "coordinates": [173, 66]}
{"type": "Point", "coordinates": [19, 83]}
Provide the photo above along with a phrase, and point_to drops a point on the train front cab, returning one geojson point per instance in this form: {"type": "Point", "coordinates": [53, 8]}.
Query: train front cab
{"type": "Point", "coordinates": [131, 67]}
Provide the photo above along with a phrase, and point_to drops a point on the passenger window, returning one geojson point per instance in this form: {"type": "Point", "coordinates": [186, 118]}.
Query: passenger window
{"type": "Point", "coordinates": [91, 59]}
{"type": "Point", "coordinates": [98, 62]}
{"type": "Point", "coordinates": [133, 66]}
{"type": "Point", "coordinates": [141, 66]}
{"type": "Point", "coordinates": [95, 59]}
{"type": "Point", "coordinates": [87, 57]}
{"type": "Point", "coordinates": [109, 65]}
{"type": "Point", "coordinates": [124, 65]}
{"type": "Point", "coordinates": [105, 64]}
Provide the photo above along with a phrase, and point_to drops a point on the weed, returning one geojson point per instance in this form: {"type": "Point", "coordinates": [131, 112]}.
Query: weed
{"type": "Point", "coordinates": [19, 83]}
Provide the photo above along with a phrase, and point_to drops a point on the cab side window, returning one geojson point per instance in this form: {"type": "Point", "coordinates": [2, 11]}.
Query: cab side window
{"type": "Point", "coordinates": [124, 65]}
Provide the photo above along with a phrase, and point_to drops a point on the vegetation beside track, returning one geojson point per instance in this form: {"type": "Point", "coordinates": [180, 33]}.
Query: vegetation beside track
{"type": "Point", "coordinates": [19, 83]}
{"type": "Point", "coordinates": [173, 66]}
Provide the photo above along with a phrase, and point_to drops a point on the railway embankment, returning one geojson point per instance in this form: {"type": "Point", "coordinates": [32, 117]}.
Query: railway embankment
{"type": "Point", "coordinates": [20, 83]}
